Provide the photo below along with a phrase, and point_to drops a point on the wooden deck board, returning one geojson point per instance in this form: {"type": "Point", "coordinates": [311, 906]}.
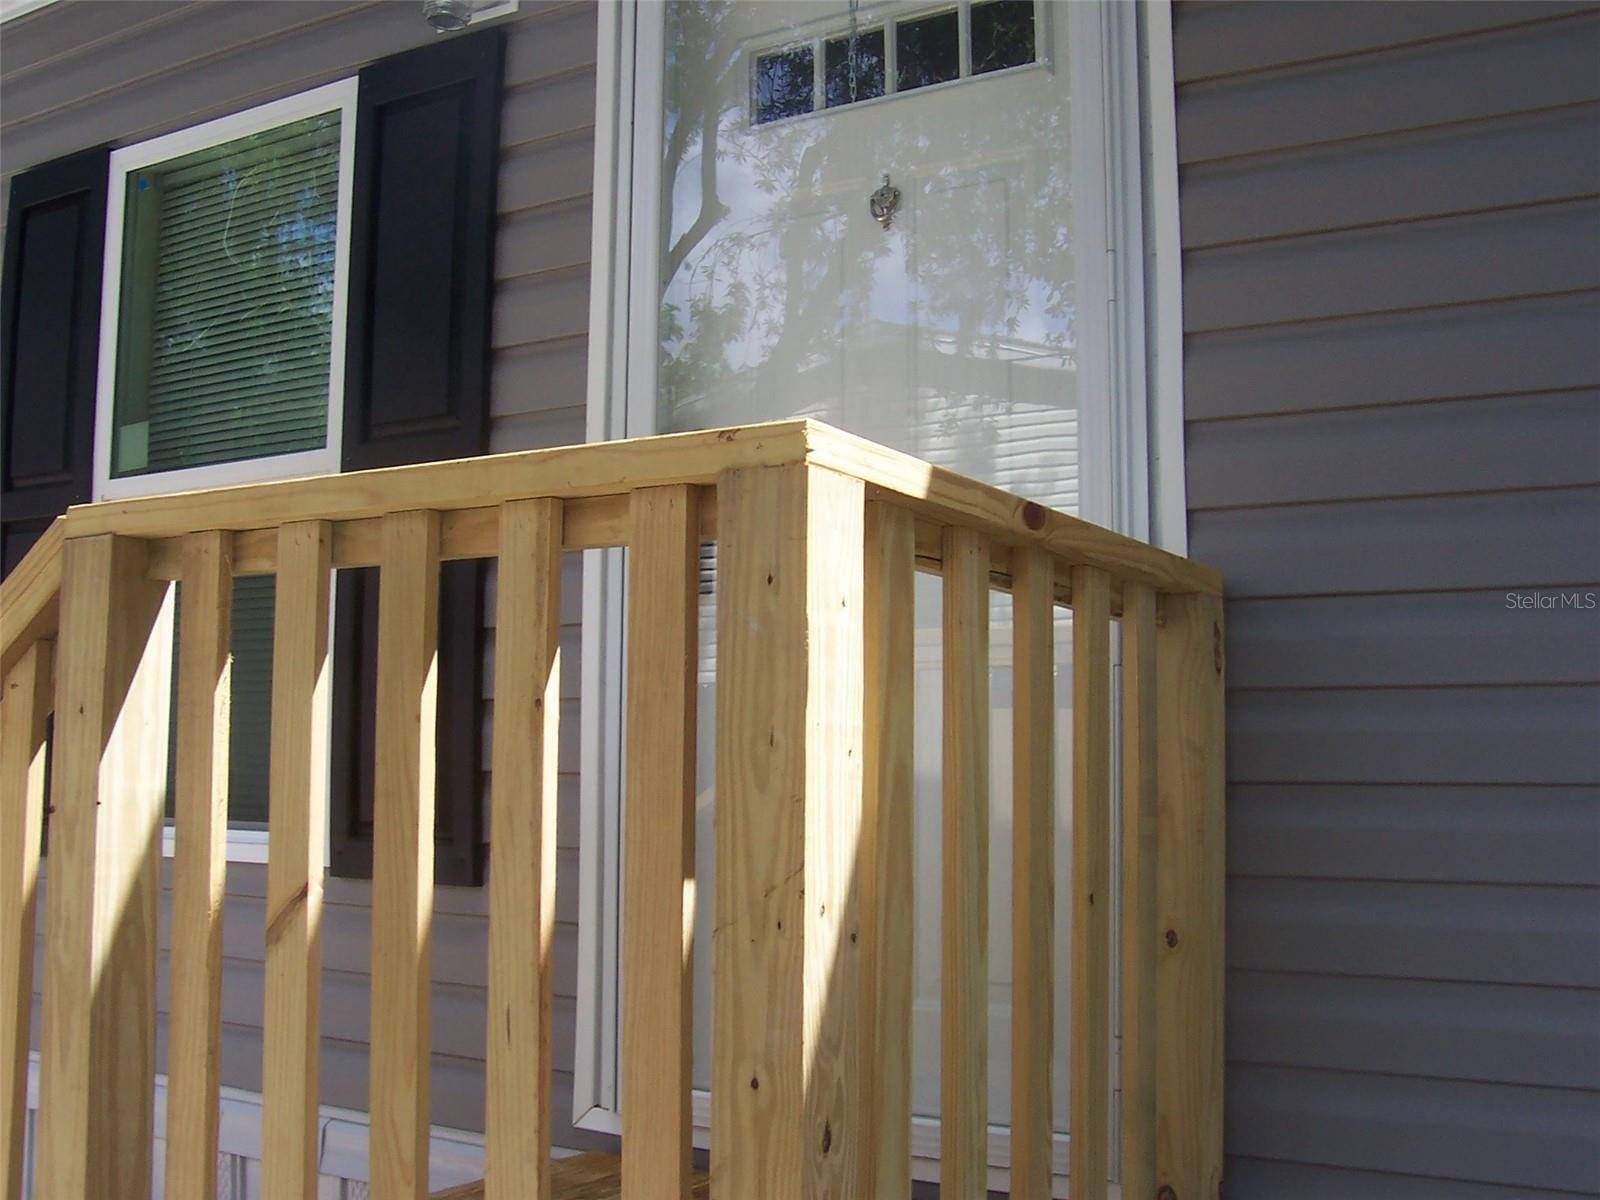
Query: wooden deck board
{"type": "Point", "coordinates": [586, 1177]}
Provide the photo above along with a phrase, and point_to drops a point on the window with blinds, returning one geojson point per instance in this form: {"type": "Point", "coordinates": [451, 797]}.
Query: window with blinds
{"type": "Point", "coordinates": [226, 301]}
{"type": "Point", "coordinates": [225, 320]}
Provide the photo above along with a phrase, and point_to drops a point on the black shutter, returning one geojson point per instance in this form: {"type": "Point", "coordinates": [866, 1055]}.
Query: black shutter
{"type": "Point", "coordinates": [417, 388]}
{"type": "Point", "coordinates": [55, 244]}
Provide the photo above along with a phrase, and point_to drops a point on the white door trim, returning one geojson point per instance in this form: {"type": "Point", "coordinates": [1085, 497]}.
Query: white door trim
{"type": "Point", "coordinates": [1122, 46]}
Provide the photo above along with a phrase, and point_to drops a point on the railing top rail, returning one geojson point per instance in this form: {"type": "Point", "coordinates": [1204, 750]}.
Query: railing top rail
{"type": "Point", "coordinates": [467, 491]}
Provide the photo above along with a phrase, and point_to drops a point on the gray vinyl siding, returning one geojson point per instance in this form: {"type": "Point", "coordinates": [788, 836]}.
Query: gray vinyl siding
{"type": "Point", "coordinates": [79, 74]}
{"type": "Point", "coordinates": [1391, 227]}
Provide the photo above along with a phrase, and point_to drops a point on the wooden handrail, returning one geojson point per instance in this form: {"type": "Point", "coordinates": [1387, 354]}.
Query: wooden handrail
{"type": "Point", "coordinates": [819, 534]}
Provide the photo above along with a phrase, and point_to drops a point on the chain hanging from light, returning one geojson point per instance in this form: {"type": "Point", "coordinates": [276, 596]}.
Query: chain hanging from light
{"type": "Point", "coordinates": [855, 39]}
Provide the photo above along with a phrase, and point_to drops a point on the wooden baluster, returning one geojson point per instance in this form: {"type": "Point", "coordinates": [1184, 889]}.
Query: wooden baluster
{"type": "Point", "coordinates": [402, 856]}
{"type": "Point", "coordinates": [1033, 889]}
{"type": "Point", "coordinates": [964, 994]}
{"type": "Point", "coordinates": [97, 1044]}
{"type": "Point", "coordinates": [199, 864]}
{"type": "Point", "coordinates": [297, 824]}
{"type": "Point", "coordinates": [1189, 896]}
{"type": "Point", "coordinates": [658, 843]}
{"type": "Point", "coordinates": [888, 900]}
{"type": "Point", "coordinates": [1138, 890]}
{"type": "Point", "coordinates": [1091, 882]}
{"type": "Point", "coordinates": [522, 860]}
{"type": "Point", "coordinates": [784, 1108]}
{"type": "Point", "coordinates": [24, 709]}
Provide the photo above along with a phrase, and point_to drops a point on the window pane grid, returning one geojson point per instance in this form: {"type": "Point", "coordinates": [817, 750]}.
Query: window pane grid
{"type": "Point", "coordinates": [889, 57]}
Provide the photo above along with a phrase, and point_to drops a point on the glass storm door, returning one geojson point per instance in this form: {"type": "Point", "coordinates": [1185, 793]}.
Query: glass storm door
{"type": "Point", "coordinates": [938, 316]}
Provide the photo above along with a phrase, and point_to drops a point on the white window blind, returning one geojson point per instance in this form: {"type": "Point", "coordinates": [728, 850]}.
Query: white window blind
{"type": "Point", "coordinates": [227, 301]}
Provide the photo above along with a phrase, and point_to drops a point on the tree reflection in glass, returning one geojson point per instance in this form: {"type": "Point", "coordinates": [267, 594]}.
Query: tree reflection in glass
{"type": "Point", "coordinates": [953, 336]}
{"type": "Point", "coordinates": [854, 67]}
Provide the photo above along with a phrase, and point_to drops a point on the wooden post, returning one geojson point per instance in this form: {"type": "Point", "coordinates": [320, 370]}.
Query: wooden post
{"type": "Point", "coordinates": [1189, 896]}
{"type": "Point", "coordinates": [964, 933]}
{"type": "Point", "coordinates": [658, 844]}
{"type": "Point", "coordinates": [1139, 932]}
{"type": "Point", "coordinates": [1091, 882]}
{"type": "Point", "coordinates": [888, 896]}
{"type": "Point", "coordinates": [784, 1117]}
{"type": "Point", "coordinates": [97, 1043]}
{"type": "Point", "coordinates": [1033, 889]}
{"type": "Point", "coordinates": [24, 709]}
{"type": "Point", "coordinates": [297, 820]}
{"type": "Point", "coordinates": [402, 855]}
{"type": "Point", "coordinates": [522, 864]}
{"type": "Point", "coordinates": [199, 864]}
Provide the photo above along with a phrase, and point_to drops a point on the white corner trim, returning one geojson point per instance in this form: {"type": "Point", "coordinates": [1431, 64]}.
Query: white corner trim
{"type": "Point", "coordinates": [1163, 246]}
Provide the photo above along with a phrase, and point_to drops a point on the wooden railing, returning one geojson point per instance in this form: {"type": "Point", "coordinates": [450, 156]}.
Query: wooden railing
{"type": "Point", "coordinates": [819, 535]}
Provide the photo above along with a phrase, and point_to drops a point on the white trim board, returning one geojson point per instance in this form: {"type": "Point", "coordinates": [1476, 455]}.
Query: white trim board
{"type": "Point", "coordinates": [1137, 381]}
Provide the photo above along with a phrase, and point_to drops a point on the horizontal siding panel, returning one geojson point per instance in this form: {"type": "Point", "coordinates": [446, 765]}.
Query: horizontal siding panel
{"type": "Point", "coordinates": [552, 107]}
{"type": "Point", "coordinates": [1494, 349]}
{"type": "Point", "coordinates": [1529, 67]}
{"type": "Point", "coordinates": [1547, 936]}
{"type": "Point", "coordinates": [1519, 1137]}
{"type": "Point", "coordinates": [551, 37]}
{"type": "Point", "coordinates": [458, 1012]}
{"type": "Point", "coordinates": [537, 307]}
{"type": "Point", "coordinates": [1261, 1177]}
{"type": "Point", "coordinates": [1450, 638]}
{"type": "Point", "coordinates": [1516, 735]}
{"type": "Point", "coordinates": [457, 1083]}
{"type": "Point", "coordinates": [1527, 159]}
{"type": "Point", "coordinates": [1437, 833]}
{"type": "Point", "coordinates": [38, 42]}
{"type": "Point", "coordinates": [1546, 440]}
{"type": "Point", "coordinates": [205, 32]}
{"type": "Point", "coordinates": [542, 240]}
{"type": "Point", "coordinates": [1493, 444]}
{"type": "Point", "coordinates": [1228, 38]}
{"type": "Point", "coordinates": [1547, 539]}
{"type": "Point", "coordinates": [1541, 1037]}
{"type": "Point", "coordinates": [567, 425]}
{"type": "Point", "coordinates": [1455, 260]}
{"type": "Point", "coordinates": [547, 173]}
{"type": "Point", "coordinates": [241, 77]}
{"type": "Point", "coordinates": [540, 379]}
{"type": "Point", "coordinates": [459, 942]}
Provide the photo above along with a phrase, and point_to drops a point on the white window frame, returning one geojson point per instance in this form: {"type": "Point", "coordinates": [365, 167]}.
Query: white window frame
{"type": "Point", "coordinates": [339, 96]}
{"type": "Point", "coordinates": [1125, 53]}
{"type": "Point", "coordinates": [243, 845]}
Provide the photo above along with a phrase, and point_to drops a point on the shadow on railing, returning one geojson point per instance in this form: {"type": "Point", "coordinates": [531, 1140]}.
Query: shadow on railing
{"type": "Point", "coordinates": [819, 535]}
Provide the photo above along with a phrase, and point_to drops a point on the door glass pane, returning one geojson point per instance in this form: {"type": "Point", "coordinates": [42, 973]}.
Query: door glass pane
{"type": "Point", "coordinates": [1002, 35]}
{"type": "Point", "coordinates": [950, 334]}
{"type": "Point", "coordinates": [928, 50]}
{"type": "Point", "coordinates": [855, 66]}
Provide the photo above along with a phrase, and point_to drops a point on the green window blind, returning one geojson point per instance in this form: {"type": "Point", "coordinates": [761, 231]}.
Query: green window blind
{"type": "Point", "coordinates": [250, 711]}
{"type": "Point", "coordinates": [225, 321]}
